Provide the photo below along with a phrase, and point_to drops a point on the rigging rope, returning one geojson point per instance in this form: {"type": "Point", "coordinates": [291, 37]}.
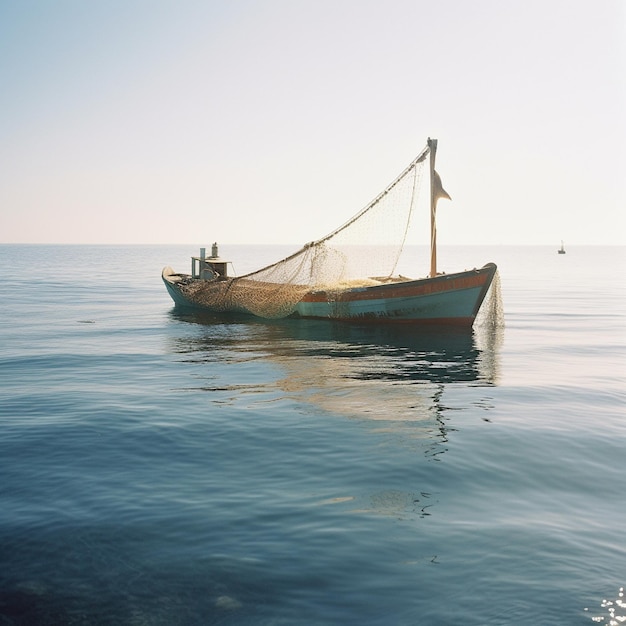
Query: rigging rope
{"type": "Point", "coordinates": [365, 250]}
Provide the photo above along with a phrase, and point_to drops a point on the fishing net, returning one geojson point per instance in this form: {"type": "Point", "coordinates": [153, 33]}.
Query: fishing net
{"type": "Point", "coordinates": [364, 251]}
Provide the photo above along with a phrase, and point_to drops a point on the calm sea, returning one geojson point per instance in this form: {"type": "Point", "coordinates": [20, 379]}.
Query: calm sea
{"type": "Point", "coordinates": [166, 469]}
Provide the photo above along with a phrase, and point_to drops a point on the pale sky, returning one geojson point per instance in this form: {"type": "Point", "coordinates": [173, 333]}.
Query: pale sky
{"type": "Point", "coordinates": [274, 121]}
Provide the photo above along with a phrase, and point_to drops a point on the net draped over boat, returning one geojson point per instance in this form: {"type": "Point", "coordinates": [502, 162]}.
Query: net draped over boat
{"type": "Point", "coordinates": [364, 251]}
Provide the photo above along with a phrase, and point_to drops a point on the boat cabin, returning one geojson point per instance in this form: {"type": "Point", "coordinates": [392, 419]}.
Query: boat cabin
{"type": "Point", "coordinates": [209, 268]}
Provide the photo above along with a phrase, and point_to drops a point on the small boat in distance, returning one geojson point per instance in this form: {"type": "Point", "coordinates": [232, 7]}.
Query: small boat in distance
{"type": "Point", "coordinates": [351, 274]}
{"type": "Point", "coordinates": [561, 250]}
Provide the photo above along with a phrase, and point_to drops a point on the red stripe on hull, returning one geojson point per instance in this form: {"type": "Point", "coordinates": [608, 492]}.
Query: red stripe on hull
{"type": "Point", "coordinates": [422, 287]}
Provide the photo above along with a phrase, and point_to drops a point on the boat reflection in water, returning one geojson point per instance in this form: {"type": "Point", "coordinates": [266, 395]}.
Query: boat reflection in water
{"type": "Point", "coordinates": [408, 389]}
{"type": "Point", "coordinates": [388, 373]}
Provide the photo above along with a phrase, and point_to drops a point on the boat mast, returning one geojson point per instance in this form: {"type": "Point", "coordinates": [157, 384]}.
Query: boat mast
{"type": "Point", "coordinates": [432, 144]}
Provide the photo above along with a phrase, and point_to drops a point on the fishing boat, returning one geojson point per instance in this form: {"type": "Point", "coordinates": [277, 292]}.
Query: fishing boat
{"type": "Point", "coordinates": [561, 250]}
{"type": "Point", "coordinates": [351, 274]}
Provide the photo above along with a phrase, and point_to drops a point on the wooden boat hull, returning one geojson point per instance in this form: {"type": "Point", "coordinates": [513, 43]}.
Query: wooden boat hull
{"type": "Point", "coordinates": [447, 299]}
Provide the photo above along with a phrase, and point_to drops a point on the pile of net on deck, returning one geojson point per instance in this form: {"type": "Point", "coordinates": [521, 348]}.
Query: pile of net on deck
{"type": "Point", "coordinates": [364, 251]}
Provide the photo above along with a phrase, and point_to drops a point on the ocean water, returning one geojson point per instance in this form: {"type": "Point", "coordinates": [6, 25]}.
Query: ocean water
{"type": "Point", "coordinates": [158, 468]}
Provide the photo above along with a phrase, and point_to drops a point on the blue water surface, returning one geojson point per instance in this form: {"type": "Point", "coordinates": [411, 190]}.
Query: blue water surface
{"type": "Point", "coordinates": [158, 467]}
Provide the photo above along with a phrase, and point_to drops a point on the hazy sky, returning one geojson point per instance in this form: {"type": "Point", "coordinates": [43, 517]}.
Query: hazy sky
{"type": "Point", "coordinates": [274, 121]}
